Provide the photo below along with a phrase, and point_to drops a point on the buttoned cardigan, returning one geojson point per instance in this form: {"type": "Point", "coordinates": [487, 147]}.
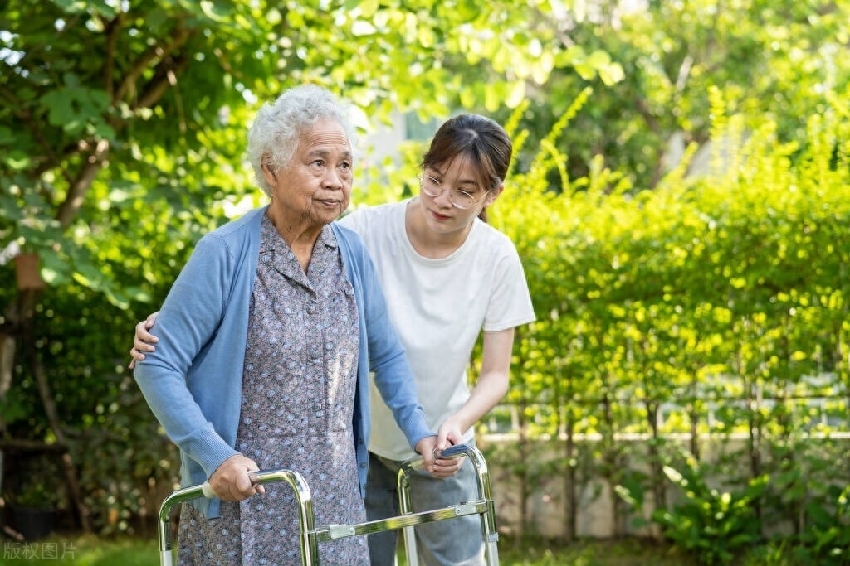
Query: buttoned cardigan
{"type": "Point", "coordinates": [193, 380]}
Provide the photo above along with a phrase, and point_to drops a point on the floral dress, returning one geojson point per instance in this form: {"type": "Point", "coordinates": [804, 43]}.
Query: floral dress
{"type": "Point", "coordinates": [298, 389]}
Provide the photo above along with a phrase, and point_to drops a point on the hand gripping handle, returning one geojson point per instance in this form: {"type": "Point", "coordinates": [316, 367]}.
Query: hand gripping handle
{"type": "Point", "coordinates": [207, 489]}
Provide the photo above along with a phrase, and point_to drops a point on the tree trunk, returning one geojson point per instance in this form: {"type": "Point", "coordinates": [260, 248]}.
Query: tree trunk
{"type": "Point", "coordinates": [68, 467]}
{"type": "Point", "coordinates": [656, 472]}
{"type": "Point", "coordinates": [28, 271]}
{"type": "Point", "coordinates": [570, 479]}
{"type": "Point", "coordinates": [23, 321]}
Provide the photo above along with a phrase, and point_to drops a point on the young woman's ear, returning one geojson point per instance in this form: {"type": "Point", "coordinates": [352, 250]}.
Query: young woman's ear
{"type": "Point", "coordinates": [493, 194]}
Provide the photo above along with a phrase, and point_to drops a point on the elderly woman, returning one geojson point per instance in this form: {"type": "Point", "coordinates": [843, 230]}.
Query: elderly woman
{"type": "Point", "coordinates": [266, 342]}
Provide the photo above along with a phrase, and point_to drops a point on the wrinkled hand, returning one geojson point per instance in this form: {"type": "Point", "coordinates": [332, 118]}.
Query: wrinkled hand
{"type": "Point", "coordinates": [426, 448]}
{"type": "Point", "coordinates": [449, 434]}
{"type": "Point", "coordinates": [143, 340]}
{"type": "Point", "coordinates": [232, 480]}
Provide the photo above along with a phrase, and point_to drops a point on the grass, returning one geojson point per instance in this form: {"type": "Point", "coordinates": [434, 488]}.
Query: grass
{"type": "Point", "coordinates": [93, 551]}
{"type": "Point", "coordinates": [631, 552]}
{"type": "Point", "coordinates": [585, 553]}
{"type": "Point", "coordinates": [81, 551]}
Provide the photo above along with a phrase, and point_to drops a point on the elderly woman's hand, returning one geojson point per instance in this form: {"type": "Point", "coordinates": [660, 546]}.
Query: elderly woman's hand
{"type": "Point", "coordinates": [437, 467]}
{"type": "Point", "coordinates": [426, 448]}
{"type": "Point", "coordinates": [449, 434]}
{"type": "Point", "coordinates": [232, 480]}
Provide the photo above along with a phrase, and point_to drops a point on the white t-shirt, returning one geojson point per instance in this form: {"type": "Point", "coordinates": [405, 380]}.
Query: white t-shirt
{"type": "Point", "coordinates": [439, 307]}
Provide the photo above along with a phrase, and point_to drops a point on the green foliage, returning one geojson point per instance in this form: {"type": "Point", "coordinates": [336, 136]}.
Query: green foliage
{"type": "Point", "coordinates": [826, 538]}
{"type": "Point", "coordinates": [121, 453]}
{"type": "Point", "coordinates": [122, 133]}
{"type": "Point", "coordinates": [804, 487]}
{"type": "Point", "coordinates": [715, 526]}
{"type": "Point", "coordinates": [721, 300]}
{"type": "Point", "coordinates": [121, 138]}
{"type": "Point", "coordinates": [35, 493]}
{"type": "Point", "coordinates": [726, 284]}
{"type": "Point", "coordinates": [36, 483]}
{"type": "Point", "coordinates": [125, 122]}
{"type": "Point", "coordinates": [775, 59]}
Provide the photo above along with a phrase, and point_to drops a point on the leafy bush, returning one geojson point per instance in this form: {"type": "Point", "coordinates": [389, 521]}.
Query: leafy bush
{"type": "Point", "coordinates": [713, 307]}
{"type": "Point", "coordinates": [716, 526]}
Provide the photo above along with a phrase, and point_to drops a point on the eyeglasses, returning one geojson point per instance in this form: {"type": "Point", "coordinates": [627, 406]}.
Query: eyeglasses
{"type": "Point", "coordinates": [433, 187]}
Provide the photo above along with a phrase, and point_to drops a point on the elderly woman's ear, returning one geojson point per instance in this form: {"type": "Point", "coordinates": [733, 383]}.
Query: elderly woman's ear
{"type": "Point", "coordinates": [269, 173]}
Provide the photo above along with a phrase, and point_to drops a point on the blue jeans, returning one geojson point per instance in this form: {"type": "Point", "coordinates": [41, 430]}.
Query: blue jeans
{"type": "Point", "coordinates": [453, 542]}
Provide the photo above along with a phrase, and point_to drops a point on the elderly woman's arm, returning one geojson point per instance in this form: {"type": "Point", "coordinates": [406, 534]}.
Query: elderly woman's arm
{"type": "Point", "coordinates": [392, 374]}
{"type": "Point", "coordinates": [188, 319]}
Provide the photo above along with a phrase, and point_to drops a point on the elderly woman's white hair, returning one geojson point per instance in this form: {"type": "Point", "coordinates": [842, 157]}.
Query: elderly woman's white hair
{"type": "Point", "coordinates": [273, 137]}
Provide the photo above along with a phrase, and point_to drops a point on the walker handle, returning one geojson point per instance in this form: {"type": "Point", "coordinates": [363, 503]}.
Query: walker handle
{"type": "Point", "coordinates": [450, 453]}
{"type": "Point", "coordinates": [207, 489]}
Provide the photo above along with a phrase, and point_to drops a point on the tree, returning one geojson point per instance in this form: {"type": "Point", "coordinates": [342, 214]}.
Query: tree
{"type": "Point", "coordinates": [121, 137]}
{"type": "Point", "coordinates": [775, 60]}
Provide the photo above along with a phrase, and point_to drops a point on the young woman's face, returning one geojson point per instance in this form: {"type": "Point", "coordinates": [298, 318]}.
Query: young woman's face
{"type": "Point", "coordinates": [444, 188]}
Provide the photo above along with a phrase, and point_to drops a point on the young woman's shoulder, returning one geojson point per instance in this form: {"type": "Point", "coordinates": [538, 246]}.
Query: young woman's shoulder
{"type": "Point", "coordinates": [362, 219]}
{"type": "Point", "coordinates": [370, 213]}
{"type": "Point", "coordinates": [492, 236]}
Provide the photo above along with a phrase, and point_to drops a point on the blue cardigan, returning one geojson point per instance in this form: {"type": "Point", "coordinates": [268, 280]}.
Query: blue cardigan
{"type": "Point", "coordinates": [193, 381]}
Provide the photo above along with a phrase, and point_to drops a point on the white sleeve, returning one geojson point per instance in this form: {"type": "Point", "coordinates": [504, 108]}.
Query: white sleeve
{"type": "Point", "coordinates": [352, 220]}
{"type": "Point", "coordinates": [361, 221]}
{"type": "Point", "coordinates": [510, 302]}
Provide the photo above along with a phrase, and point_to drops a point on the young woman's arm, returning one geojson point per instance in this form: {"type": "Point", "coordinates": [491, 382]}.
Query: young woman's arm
{"type": "Point", "coordinates": [490, 388]}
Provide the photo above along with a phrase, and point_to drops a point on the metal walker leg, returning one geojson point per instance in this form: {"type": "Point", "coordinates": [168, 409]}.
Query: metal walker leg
{"type": "Point", "coordinates": [484, 506]}
{"type": "Point", "coordinates": [306, 518]}
{"type": "Point", "coordinates": [311, 535]}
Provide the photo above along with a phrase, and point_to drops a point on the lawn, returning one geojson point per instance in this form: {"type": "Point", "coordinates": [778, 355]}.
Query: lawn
{"type": "Point", "coordinates": [81, 551]}
{"type": "Point", "coordinates": [92, 551]}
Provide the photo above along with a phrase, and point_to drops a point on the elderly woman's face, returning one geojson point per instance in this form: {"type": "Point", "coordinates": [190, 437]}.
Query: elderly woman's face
{"type": "Point", "coordinates": [316, 184]}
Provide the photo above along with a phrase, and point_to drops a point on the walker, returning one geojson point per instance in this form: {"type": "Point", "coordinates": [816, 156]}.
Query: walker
{"type": "Point", "coordinates": [312, 535]}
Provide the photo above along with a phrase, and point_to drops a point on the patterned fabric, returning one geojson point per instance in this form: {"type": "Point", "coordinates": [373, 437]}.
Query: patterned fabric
{"type": "Point", "coordinates": [297, 406]}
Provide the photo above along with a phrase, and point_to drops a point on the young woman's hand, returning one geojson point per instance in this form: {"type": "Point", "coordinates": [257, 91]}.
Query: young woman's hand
{"type": "Point", "coordinates": [143, 341]}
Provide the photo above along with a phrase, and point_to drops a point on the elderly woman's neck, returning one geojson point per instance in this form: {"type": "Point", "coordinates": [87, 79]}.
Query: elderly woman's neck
{"type": "Point", "coordinates": [300, 233]}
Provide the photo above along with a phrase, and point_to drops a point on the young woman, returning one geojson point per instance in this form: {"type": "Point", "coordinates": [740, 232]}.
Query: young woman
{"type": "Point", "coordinates": [447, 277]}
